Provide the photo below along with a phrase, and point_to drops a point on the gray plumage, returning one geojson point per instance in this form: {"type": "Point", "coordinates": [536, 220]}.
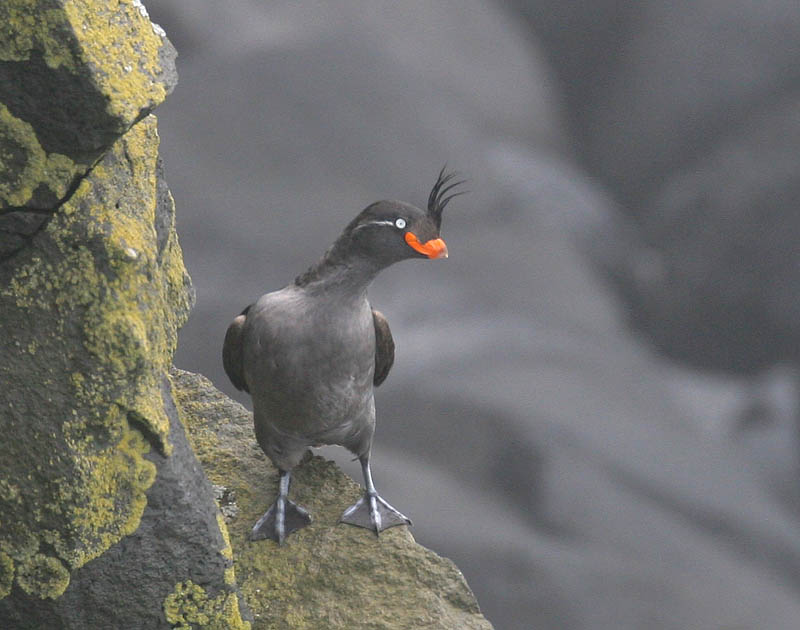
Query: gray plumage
{"type": "Point", "coordinates": [232, 352]}
{"type": "Point", "coordinates": [384, 348]}
{"type": "Point", "coordinates": [310, 354]}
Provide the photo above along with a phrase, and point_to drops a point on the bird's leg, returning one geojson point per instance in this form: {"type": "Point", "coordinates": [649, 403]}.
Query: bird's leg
{"type": "Point", "coordinates": [371, 511]}
{"type": "Point", "coordinates": [283, 517]}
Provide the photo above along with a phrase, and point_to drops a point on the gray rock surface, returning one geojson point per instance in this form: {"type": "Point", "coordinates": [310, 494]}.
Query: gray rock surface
{"type": "Point", "coordinates": [687, 73]}
{"type": "Point", "coordinates": [178, 540]}
{"type": "Point", "coordinates": [107, 518]}
{"type": "Point", "coordinates": [687, 110]}
{"type": "Point", "coordinates": [726, 291]}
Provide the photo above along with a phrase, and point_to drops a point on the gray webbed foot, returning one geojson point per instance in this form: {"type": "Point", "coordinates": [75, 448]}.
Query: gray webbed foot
{"type": "Point", "coordinates": [372, 512]}
{"type": "Point", "coordinates": [283, 517]}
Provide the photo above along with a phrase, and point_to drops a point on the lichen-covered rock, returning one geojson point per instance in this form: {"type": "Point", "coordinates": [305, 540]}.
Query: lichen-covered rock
{"type": "Point", "coordinates": [190, 606]}
{"type": "Point", "coordinates": [74, 76]}
{"type": "Point", "coordinates": [175, 571]}
{"type": "Point", "coordinates": [89, 315]}
{"type": "Point", "coordinates": [328, 575]}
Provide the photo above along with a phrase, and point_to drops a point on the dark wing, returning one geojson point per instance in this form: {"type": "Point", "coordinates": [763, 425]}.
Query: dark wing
{"type": "Point", "coordinates": [384, 348]}
{"type": "Point", "coordinates": [232, 354]}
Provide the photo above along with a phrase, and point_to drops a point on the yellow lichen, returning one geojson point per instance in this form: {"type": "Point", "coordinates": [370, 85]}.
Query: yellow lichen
{"type": "Point", "coordinates": [303, 583]}
{"type": "Point", "coordinates": [43, 576]}
{"type": "Point", "coordinates": [118, 39]}
{"type": "Point", "coordinates": [81, 464]}
{"type": "Point", "coordinates": [114, 38]}
{"type": "Point", "coordinates": [55, 171]}
{"type": "Point", "coordinates": [6, 574]}
{"type": "Point", "coordinates": [26, 25]}
{"type": "Point", "coordinates": [226, 551]}
{"type": "Point", "coordinates": [130, 321]}
{"type": "Point", "coordinates": [112, 500]}
{"type": "Point", "coordinates": [108, 50]}
{"type": "Point", "coordinates": [189, 607]}
{"type": "Point", "coordinates": [9, 491]}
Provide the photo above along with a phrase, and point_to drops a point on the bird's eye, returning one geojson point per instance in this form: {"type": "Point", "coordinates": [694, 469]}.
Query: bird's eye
{"type": "Point", "coordinates": [400, 223]}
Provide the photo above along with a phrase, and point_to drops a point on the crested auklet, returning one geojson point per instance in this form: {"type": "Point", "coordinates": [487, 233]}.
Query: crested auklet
{"type": "Point", "coordinates": [310, 354]}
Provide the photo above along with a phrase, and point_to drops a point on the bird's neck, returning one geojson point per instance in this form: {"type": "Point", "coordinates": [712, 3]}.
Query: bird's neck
{"type": "Point", "coordinates": [340, 271]}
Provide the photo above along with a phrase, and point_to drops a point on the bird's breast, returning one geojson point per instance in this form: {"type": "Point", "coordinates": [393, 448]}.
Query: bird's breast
{"type": "Point", "coordinates": [310, 365]}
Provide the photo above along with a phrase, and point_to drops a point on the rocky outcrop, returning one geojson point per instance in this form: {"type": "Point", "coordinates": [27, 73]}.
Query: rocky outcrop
{"type": "Point", "coordinates": [107, 517]}
{"type": "Point", "coordinates": [74, 76]}
{"type": "Point", "coordinates": [328, 575]}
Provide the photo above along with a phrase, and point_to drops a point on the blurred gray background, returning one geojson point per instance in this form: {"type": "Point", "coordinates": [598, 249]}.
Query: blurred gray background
{"type": "Point", "coordinates": [594, 409]}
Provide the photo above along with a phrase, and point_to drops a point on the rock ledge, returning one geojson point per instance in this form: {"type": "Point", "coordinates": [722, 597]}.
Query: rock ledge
{"type": "Point", "coordinates": [328, 575]}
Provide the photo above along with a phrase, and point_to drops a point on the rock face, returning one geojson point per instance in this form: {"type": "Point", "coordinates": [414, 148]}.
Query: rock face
{"type": "Point", "coordinates": [328, 575]}
{"type": "Point", "coordinates": [107, 64]}
{"type": "Point", "coordinates": [107, 518]}
{"type": "Point", "coordinates": [693, 128]}
{"type": "Point", "coordinates": [175, 570]}
{"type": "Point", "coordinates": [90, 314]}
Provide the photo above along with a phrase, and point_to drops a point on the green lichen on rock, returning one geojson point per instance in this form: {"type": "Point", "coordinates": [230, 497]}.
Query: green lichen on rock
{"type": "Point", "coordinates": [33, 25]}
{"type": "Point", "coordinates": [74, 76]}
{"type": "Point", "coordinates": [43, 576]}
{"type": "Point", "coordinates": [115, 30]}
{"type": "Point", "coordinates": [90, 311]}
{"type": "Point", "coordinates": [227, 551]}
{"type": "Point", "coordinates": [113, 40]}
{"type": "Point", "coordinates": [189, 607]}
{"type": "Point", "coordinates": [328, 575]}
{"type": "Point", "coordinates": [110, 500]}
{"type": "Point", "coordinates": [6, 574]}
{"type": "Point", "coordinates": [25, 164]}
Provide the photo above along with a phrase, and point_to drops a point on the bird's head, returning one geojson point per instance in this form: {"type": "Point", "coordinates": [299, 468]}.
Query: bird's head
{"type": "Point", "coordinates": [393, 230]}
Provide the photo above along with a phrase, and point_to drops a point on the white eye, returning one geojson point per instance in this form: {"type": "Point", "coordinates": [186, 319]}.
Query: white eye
{"type": "Point", "coordinates": [400, 223]}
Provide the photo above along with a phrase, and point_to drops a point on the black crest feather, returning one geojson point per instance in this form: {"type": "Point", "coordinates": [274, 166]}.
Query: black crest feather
{"type": "Point", "coordinates": [438, 199]}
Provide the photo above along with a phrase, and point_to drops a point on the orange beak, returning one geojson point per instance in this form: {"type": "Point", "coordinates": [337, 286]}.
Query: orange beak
{"type": "Point", "coordinates": [434, 248]}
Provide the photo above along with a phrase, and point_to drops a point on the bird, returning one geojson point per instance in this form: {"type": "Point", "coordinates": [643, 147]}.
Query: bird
{"type": "Point", "coordinates": [310, 354]}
